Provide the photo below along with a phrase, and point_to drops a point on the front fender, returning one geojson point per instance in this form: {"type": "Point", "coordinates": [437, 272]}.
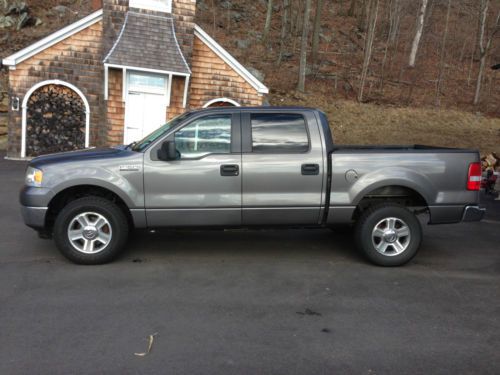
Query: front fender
{"type": "Point", "coordinates": [128, 185]}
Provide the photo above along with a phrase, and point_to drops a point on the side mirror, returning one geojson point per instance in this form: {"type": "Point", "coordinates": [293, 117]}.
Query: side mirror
{"type": "Point", "coordinates": [167, 151]}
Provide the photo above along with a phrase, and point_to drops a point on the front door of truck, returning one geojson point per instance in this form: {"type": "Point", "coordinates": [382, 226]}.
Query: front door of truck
{"type": "Point", "coordinates": [283, 166]}
{"type": "Point", "coordinates": [203, 186]}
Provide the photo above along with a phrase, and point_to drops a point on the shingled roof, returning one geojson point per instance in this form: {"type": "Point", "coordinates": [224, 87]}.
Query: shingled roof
{"type": "Point", "coordinates": [148, 42]}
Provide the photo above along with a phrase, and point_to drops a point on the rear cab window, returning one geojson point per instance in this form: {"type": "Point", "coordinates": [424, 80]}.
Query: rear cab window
{"type": "Point", "coordinates": [279, 133]}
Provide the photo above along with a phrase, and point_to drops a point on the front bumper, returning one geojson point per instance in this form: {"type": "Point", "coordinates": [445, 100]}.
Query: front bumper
{"type": "Point", "coordinates": [473, 213]}
{"type": "Point", "coordinates": [34, 217]}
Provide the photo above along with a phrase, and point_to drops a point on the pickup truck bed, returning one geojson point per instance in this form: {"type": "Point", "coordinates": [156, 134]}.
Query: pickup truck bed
{"type": "Point", "coordinates": [249, 167]}
{"type": "Point", "coordinates": [432, 177]}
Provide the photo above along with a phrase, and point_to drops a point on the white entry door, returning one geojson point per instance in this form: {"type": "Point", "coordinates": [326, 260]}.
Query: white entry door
{"type": "Point", "coordinates": [146, 105]}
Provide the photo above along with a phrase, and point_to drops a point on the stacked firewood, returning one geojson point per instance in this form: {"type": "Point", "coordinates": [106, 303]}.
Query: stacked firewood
{"type": "Point", "coordinates": [490, 161]}
{"type": "Point", "coordinates": [491, 173]}
{"type": "Point", "coordinates": [55, 121]}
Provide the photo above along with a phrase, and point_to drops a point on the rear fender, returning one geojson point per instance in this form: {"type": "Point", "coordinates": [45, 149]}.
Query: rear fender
{"type": "Point", "coordinates": [392, 177]}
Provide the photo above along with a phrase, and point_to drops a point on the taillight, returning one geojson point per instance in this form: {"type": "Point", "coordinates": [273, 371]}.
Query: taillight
{"type": "Point", "coordinates": [474, 176]}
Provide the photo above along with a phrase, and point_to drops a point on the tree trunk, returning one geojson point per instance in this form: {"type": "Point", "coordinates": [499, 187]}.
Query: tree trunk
{"type": "Point", "coordinates": [284, 27]}
{"type": "Point", "coordinates": [303, 48]}
{"type": "Point", "coordinates": [479, 81]}
{"type": "Point", "coordinates": [316, 30]}
{"type": "Point", "coordinates": [441, 60]}
{"type": "Point", "coordinates": [372, 23]}
{"type": "Point", "coordinates": [269, 15]}
{"type": "Point", "coordinates": [393, 23]}
{"type": "Point", "coordinates": [352, 8]}
{"type": "Point", "coordinates": [418, 33]}
{"type": "Point", "coordinates": [365, 5]}
{"type": "Point", "coordinates": [484, 48]}
{"type": "Point", "coordinates": [395, 19]}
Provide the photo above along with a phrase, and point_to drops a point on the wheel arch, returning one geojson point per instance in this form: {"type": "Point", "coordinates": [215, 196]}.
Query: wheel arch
{"type": "Point", "coordinates": [71, 193]}
{"type": "Point", "coordinates": [398, 193]}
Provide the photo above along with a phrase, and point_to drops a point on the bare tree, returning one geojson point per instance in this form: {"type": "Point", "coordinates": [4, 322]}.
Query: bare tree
{"type": "Point", "coordinates": [284, 28]}
{"type": "Point", "coordinates": [418, 33]}
{"type": "Point", "coordinates": [362, 17]}
{"type": "Point", "coordinates": [269, 15]}
{"type": "Point", "coordinates": [352, 8]}
{"type": "Point", "coordinates": [303, 48]}
{"type": "Point", "coordinates": [394, 14]}
{"type": "Point", "coordinates": [484, 46]}
{"type": "Point", "coordinates": [372, 23]}
{"type": "Point", "coordinates": [317, 29]}
{"type": "Point", "coordinates": [395, 10]}
{"type": "Point", "coordinates": [443, 50]}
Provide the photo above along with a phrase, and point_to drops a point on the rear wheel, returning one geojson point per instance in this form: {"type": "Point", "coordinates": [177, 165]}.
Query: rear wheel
{"type": "Point", "coordinates": [91, 230]}
{"type": "Point", "coordinates": [388, 234]}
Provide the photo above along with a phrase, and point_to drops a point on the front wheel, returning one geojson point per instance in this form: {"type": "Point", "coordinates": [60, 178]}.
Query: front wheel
{"type": "Point", "coordinates": [91, 230]}
{"type": "Point", "coordinates": [388, 234]}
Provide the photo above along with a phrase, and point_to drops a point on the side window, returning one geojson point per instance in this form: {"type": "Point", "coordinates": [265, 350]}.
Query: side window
{"type": "Point", "coordinates": [207, 135]}
{"type": "Point", "coordinates": [275, 133]}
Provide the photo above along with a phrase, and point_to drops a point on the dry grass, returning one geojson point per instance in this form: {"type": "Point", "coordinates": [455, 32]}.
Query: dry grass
{"type": "Point", "coordinates": [355, 123]}
{"type": "Point", "coordinates": [3, 142]}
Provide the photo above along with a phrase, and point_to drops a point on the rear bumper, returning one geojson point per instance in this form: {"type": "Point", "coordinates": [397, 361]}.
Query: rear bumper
{"type": "Point", "coordinates": [473, 213]}
{"type": "Point", "coordinates": [455, 214]}
{"type": "Point", "coordinates": [34, 217]}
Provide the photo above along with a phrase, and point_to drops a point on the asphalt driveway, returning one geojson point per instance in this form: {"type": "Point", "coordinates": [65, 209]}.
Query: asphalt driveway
{"type": "Point", "coordinates": [249, 302]}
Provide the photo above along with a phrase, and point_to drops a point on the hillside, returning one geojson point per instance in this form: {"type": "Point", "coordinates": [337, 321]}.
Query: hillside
{"type": "Point", "coordinates": [400, 103]}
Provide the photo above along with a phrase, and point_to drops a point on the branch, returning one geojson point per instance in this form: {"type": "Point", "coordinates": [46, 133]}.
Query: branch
{"type": "Point", "coordinates": [494, 32]}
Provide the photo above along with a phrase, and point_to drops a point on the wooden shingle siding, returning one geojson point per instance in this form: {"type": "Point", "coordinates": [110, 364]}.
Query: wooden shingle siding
{"type": "Point", "coordinates": [115, 113]}
{"type": "Point", "coordinates": [113, 16]}
{"type": "Point", "coordinates": [176, 99]}
{"type": "Point", "coordinates": [212, 78]}
{"type": "Point", "coordinates": [184, 12]}
{"type": "Point", "coordinates": [76, 60]}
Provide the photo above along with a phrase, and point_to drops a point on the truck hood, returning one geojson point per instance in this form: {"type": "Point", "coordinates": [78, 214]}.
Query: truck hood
{"type": "Point", "coordinates": [81, 155]}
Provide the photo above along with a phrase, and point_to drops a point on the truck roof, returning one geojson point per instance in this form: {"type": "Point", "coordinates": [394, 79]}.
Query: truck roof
{"type": "Point", "coordinates": [261, 108]}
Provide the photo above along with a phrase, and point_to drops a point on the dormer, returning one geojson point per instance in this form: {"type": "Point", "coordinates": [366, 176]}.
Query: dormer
{"type": "Point", "coordinates": [181, 11]}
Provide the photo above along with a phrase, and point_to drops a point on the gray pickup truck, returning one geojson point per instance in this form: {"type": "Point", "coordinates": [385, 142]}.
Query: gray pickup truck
{"type": "Point", "coordinates": [248, 167]}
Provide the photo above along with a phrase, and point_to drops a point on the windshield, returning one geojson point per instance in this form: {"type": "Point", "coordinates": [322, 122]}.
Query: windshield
{"type": "Point", "coordinates": [142, 144]}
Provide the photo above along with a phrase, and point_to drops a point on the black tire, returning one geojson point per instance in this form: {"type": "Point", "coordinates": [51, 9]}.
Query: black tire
{"type": "Point", "coordinates": [116, 227]}
{"type": "Point", "coordinates": [397, 252]}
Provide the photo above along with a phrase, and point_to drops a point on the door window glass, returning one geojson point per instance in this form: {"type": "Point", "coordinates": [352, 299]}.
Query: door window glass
{"type": "Point", "coordinates": [208, 135]}
{"type": "Point", "coordinates": [275, 133]}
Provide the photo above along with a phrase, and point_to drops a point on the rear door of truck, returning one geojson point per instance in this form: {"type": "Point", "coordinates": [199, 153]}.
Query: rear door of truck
{"type": "Point", "coordinates": [283, 167]}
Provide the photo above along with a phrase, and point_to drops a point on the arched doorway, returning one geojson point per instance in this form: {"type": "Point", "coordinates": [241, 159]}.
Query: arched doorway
{"type": "Point", "coordinates": [221, 102]}
{"type": "Point", "coordinates": [55, 119]}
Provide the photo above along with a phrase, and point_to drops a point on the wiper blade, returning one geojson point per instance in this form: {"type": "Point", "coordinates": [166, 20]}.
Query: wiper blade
{"type": "Point", "coordinates": [130, 146]}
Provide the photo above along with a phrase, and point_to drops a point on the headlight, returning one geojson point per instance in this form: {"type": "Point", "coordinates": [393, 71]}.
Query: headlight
{"type": "Point", "coordinates": [34, 177]}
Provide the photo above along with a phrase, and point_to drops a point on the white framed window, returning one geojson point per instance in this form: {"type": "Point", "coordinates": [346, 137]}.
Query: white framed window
{"type": "Point", "coordinates": [157, 5]}
{"type": "Point", "coordinates": [147, 82]}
